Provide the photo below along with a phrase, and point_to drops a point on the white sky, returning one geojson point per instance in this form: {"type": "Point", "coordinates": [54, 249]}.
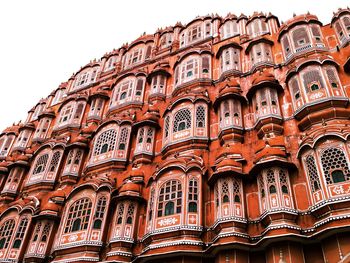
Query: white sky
{"type": "Point", "coordinates": [43, 42]}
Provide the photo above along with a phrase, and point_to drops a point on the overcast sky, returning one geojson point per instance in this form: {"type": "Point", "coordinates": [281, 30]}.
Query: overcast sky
{"type": "Point", "coordinates": [44, 42]}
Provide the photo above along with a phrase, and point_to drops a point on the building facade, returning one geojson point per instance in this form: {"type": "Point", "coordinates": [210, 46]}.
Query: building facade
{"type": "Point", "coordinates": [225, 140]}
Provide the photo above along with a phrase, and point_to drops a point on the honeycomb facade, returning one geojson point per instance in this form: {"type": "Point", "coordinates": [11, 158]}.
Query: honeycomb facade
{"type": "Point", "coordinates": [223, 140]}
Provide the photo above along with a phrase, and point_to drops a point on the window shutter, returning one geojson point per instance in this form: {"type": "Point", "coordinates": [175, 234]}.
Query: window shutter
{"type": "Point", "coordinates": [161, 82]}
{"type": "Point", "coordinates": [139, 87]}
{"type": "Point", "coordinates": [199, 31]}
{"type": "Point", "coordinates": [148, 52]}
{"type": "Point", "coordinates": [205, 63]}
{"type": "Point", "coordinates": [312, 76]}
{"type": "Point", "coordinates": [256, 26]}
{"type": "Point", "coordinates": [207, 29]}
{"type": "Point", "coordinates": [294, 85]}
{"type": "Point", "coordinates": [177, 74]}
{"type": "Point", "coordinates": [286, 45]}
{"type": "Point", "coordinates": [8, 143]}
{"type": "Point", "coordinates": [79, 111]}
{"type": "Point", "coordinates": [332, 78]}
{"type": "Point", "coordinates": [300, 34]}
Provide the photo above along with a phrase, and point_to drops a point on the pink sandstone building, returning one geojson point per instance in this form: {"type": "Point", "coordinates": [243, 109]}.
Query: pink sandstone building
{"type": "Point", "coordinates": [225, 140]}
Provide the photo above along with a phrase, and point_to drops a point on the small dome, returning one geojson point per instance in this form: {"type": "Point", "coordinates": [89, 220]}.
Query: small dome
{"type": "Point", "coordinates": [129, 188]}
{"type": "Point", "coordinates": [265, 77]}
{"type": "Point", "coordinates": [50, 206]}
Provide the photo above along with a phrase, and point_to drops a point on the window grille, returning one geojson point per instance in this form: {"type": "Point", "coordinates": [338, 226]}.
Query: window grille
{"type": "Point", "coordinates": [40, 164]}
{"type": "Point", "coordinates": [200, 117]}
{"type": "Point", "coordinates": [46, 232]}
{"type": "Point", "coordinates": [335, 165]}
{"type": "Point", "coordinates": [151, 205]}
{"type": "Point", "coordinates": [37, 232]}
{"type": "Point", "coordinates": [225, 192]}
{"type": "Point", "coordinates": [130, 213]}
{"type": "Point", "coordinates": [6, 232]}
{"type": "Point", "coordinates": [120, 213]}
{"type": "Point", "coordinates": [236, 190]}
{"type": "Point", "coordinates": [312, 77]}
{"type": "Point", "coordinates": [78, 215]}
{"type": "Point", "coordinates": [100, 210]}
{"type": "Point", "coordinates": [295, 88]}
{"type": "Point", "coordinates": [300, 37]}
{"type": "Point", "coordinates": [332, 77]}
{"type": "Point", "coordinates": [170, 198]}
{"type": "Point", "coordinates": [106, 142]}
{"type": "Point", "coordinates": [312, 173]}
{"type": "Point", "coordinates": [182, 120]}
{"type": "Point", "coordinates": [55, 161]}
{"type": "Point", "coordinates": [20, 233]}
{"type": "Point", "coordinates": [123, 138]}
{"type": "Point", "coordinates": [193, 195]}
{"type": "Point", "coordinates": [166, 126]}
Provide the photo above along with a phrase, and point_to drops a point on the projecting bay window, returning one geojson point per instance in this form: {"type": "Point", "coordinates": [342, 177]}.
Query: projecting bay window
{"type": "Point", "coordinates": [71, 114]}
{"type": "Point", "coordinates": [228, 198]}
{"type": "Point", "coordinates": [145, 140]}
{"type": "Point", "coordinates": [257, 27]}
{"type": "Point", "coordinates": [96, 108]}
{"type": "Point", "coordinates": [230, 60]}
{"type": "Point", "coordinates": [230, 114]}
{"type": "Point", "coordinates": [158, 85]}
{"type": "Point", "coordinates": [327, 168]}
{"type": "Point", "coordinates": [6, 142]}
{"type": "Point", "coordinates": [45, 167]}
{"type": "Point", "coordinates": [128, 91]}
{"type": "Point", "coordinates": [275, 190]}
{"type": "Point", "coordinates": [229, 29]}
{"type": "Point", "coordinates": [192, 68]}
{"type": "Point", "coordinates": [85, 78]}
{"type": "Point", "coordinates": [265, 102]}
{"type": "Point", "coordinates": [186, 122]}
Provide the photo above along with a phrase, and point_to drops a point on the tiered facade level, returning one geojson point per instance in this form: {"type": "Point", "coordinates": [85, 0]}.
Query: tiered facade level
{"type": "Point", "coordinates": [225, 140]}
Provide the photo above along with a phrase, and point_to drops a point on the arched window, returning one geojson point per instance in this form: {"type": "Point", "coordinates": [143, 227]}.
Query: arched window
{"type": "Point", "coordinates": [286, 46]}
{"type": "Point", "coordinates": [170, 198]}
{"type": "Point", "coordinates": [193, 195]}
{"type": "Point", "coordinates": [332, 77]}
{"type": "Point", "coordinates": [182, 120]}
{"type": "Point", "coordinates": [6, 232]}
{"type": "Point", "coordinates": [123, 138]}
{"type": "Point", "coordinates": [312, 80]}
{"type": "Point", "coordinates": [120, 213]}
{"type": "Point", "coordinates": [312, 173]}
{"type": "Point", "coordinates": [200, 117]}
{"type": "Point", "coordinates": [55, 161]}
{"type": "Point", "coordinates": [105, 142]}
{"type": "Point", "coordinates": [225, 192]}
{"type": "Point", "coordinates": [78, 215]}
{"type": "Point", "coordinates": [166, 126]}
{"type": "Point", "coordinates": [283, 181]}
{"type": "Point", "coordinates": [40, 164]}
{"type": "Point", "coordinates": [20, 233]}
{"type": "Point", "coordinates": [100, 210]}
{"type": "Point", "coordinates": [294, 85]}
{"type": "Point", "coordinates": [151, 205]}
{"type": "Point", "coordinates": [335, 165]}
{"type": "Point", "coordinates": [271, 181]}
{"type": "Point", "coordinates": [300, 37]}
{"type": "Point", "coordinates": [130, 214]}
{"type": "Point", "coordinates": [46, 232]}
{"type": "Point", "coordinates": [230, 59]}
{"type": "Point", "coordinates": [236, 191]}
